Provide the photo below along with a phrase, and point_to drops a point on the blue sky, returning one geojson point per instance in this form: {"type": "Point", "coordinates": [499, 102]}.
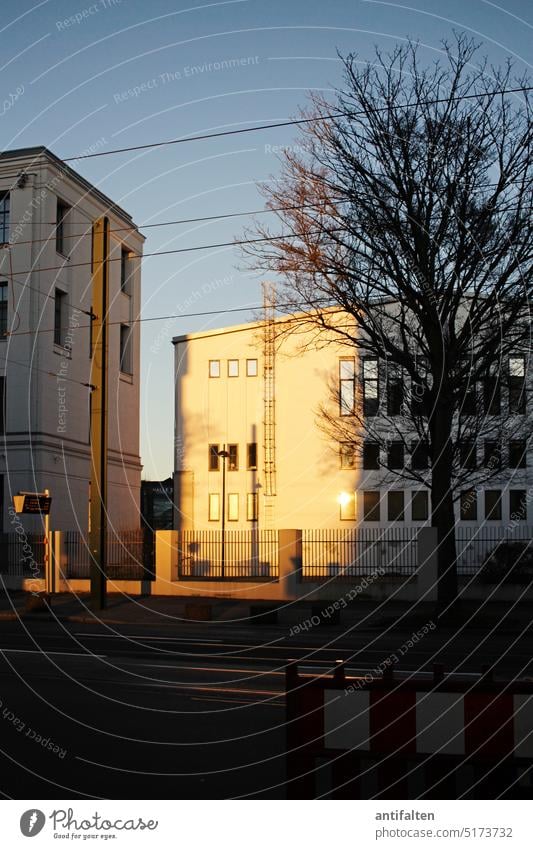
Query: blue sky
{"type": "Point", "coordinates": [78, 63]}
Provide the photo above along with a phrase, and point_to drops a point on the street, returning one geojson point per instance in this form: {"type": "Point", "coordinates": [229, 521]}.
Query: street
{"type": "Point", "coordinates": [194, 710]}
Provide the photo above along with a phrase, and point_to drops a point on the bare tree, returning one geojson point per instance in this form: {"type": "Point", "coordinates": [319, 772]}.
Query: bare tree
{"type": "Point", "coordinates": [409, 215]}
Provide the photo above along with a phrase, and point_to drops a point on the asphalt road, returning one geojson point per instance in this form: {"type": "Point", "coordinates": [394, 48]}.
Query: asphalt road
{"type": "Point", "coordinates": [189, 711]}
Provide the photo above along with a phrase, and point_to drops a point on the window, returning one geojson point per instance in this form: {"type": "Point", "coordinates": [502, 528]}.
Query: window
{"type": "Point", "coordinates": [3, 405]}
{"type": "Point", "coordinates": [233, 507]}
{"type": "Point", "coordinates": [125, 349]}
{"type": "Point", "coordinates": [60, 301]}
{"type": "Point", "coordinates": [420, 455]}
{"type": "Point", "coordinates": [517, 390]}
{"type": "Point", "coordinates": [395, 505]}
{"type": "Point", "coordinates": [347, 507]}
{"type": "Point", "coordinates": [371, 511]}
{"type": "Point", "coordinates": [491, 396]}
{"type": "Point", "coordinates": [251, 458]}
{"type": "Point", "coordinates": [61, 226]}
{"type": "Point", "coordinates": [469, 403]}
{"type": "Point", "coordinates": [251, 368]}
{"type": "Point", "coordinates": [233, 459]}
{"type": "Point", "coordinates": [347, 454]}
{"type": "Point", "coordinates": [395, 393]}
{"type": "Point", "coordinates": [214, 459]}
{"type": "Point", "coordinates": [125, 270]}
{"type": "Point", "coordinates": [3, 308]}
{"type": "Point", "coordinates": [467, 454]}
{"type": "Point", "coordinates": [370, 386]}
{"type": "Point", "coordinates": [214, 368]}
{"type": "Point", "coordinates": [347, 387]}
{"type": "Point", "coordinates": [517, 454]}
{"type": "Point", "coordinates": [420, 505]}
{"type": "Point", "coordinates": [493, 455]}
{"type": "Point", "coordinates": [252, 512]}
{"type": "Point", "coordinates": [4, 217]}
{"type": "Point", "coordinates": [468, 505]}
{"type": "Point", "coordinates": [370, 455]}
{"type": "Point", "coordinates": [214, 507]}
{"type": "Point", "coordinates": [418, 388]}
{"type": "Point", "coordinates": [395, 455]}
{"type": "Point", "coordinates": [493, 504]}
{"type": "Point", "coordinates": [233, 368]}
{"type": "Point", "coordinates": [518, 505]}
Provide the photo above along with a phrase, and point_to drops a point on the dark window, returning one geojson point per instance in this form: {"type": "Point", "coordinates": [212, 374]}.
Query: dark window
{"type": "Point", "coordinates": [395, 505]}
{"type": "Point", "coordinates": [252, 455]}
{"type": "Point", "coordinates": [60, 301]}
{"type": "Point", "coordinates": [469, 505]}
{"type": "Point", "coordinates": [347, 454]}
{"type": "Point", "coordinates": [517, 387]}
{"type": "Point", "coordinates": [493, 455]}
{"type": "Point", "coordinates": [467, 454]}
{"type": "Point", "coordinates": [395, 392]}
{"type": "Point", "coordinates": [493, 504]}
{"type": "Point", "coordinates": [125, 349]}
{"type": "Point", "coordinates": [61, 236]}
{"type": "Point", "coordinates": [370, 386]}
{"type": "Point", "coordinates": [125, 270]}
{"type": "Point", "coordinates": [418, 388]}
{"type": "Point", "coordinates": [517, 454]}
{"type": "Point", "coordinates": [347, 387]}
{"type": "Point", "coordinates": [491, 396]}
{"type": "Point", "coordinates": [3, 405]}
{"type": "Point", "coordinates": [518, 505]}
{"type": "Point", "coordinates": [370, 455]}
{"type": "Point", "coordinates": [4, 217]}
{"type": "Point", "coordinates": [469, 402]}
{"type": "Point", "coordinates": [233, 459]}
{"type": "Point", "coordinates": [214, 459]}
{"type": "Point", "coordinates": [395, 455]}
{"type": "Point", "coordinates": [420, 505]}
{"type": "Point", "coordinates": [371, 511]}
{"type": "Point", "coordinates": [3, 308]}
{"type": "Point", "coordinates": [420, 455]}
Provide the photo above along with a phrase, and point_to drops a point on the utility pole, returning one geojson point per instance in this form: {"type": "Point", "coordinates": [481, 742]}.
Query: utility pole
{"type": "Point", "coordinates": [99, 406]}
{"type": "Point", "coordinates": [224, 454]}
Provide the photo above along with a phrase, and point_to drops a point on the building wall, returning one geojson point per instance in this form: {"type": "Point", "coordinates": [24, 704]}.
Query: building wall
{"type": "Point", "coordinates": [309, 479]}
{"type": "Point", "coordinates": [46, 444]}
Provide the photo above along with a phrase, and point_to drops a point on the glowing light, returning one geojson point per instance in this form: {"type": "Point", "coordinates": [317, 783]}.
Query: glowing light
{"type": "Point", "coordinates": [344, 498]}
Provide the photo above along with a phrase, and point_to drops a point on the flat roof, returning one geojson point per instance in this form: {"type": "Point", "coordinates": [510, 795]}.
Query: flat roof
{"type": "Point", "coordinates": [42, 151]}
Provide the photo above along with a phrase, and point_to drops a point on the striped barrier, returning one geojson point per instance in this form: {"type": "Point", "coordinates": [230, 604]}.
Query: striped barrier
{"type": "Point", "coordinates": [398, 736]}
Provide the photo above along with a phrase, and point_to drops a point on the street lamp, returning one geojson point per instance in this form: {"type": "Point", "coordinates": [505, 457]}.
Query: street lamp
{"type": "Point", "coordinates": [224, 454]}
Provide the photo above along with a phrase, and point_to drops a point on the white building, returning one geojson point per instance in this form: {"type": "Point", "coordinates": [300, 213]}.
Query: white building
{"type": "Point", "coordinates": [261, 402]}
{"type": "Point", "coordinates": [46, 214]}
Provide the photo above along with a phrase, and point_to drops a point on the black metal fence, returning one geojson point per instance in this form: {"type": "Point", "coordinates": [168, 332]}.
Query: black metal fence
{"type": "Point", "coordinates": [22, 555]}
{"type": "Point", "coordinates": [495, 551]}
{"type": "Point", "coordinates": [345, 554]}
{"type": "Point", "coordinates": [130, 555]}
{"type": "Point", "coordinates": [245, 555]}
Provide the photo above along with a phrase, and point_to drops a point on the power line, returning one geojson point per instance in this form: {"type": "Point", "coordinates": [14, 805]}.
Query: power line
{"type": "Point", "coordinates": [294, 122]}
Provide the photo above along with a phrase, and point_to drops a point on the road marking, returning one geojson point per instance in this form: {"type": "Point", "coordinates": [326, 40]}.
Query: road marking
{"type": "Point", "coordinates": [48, 653]}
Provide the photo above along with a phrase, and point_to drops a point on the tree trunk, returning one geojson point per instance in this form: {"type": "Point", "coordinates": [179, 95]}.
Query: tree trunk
{"type": "Point", "coordinates": [442, 511]}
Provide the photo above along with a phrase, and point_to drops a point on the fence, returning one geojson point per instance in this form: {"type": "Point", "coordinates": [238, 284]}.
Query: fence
{"type": "Point", "coordinates": [246, 554]}
{"type": "Point", "coordinates": [475, 546]}
{"type": "Point", "coordinates": [22, 555]}
{"type": "Point", "coordinates": [130, 555]}
{"type": "Point", "coordinates": [346, 554]}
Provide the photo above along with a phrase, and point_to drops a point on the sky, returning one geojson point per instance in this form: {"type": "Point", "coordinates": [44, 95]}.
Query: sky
{"type": "Point", "coordinates": [82, 76]}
